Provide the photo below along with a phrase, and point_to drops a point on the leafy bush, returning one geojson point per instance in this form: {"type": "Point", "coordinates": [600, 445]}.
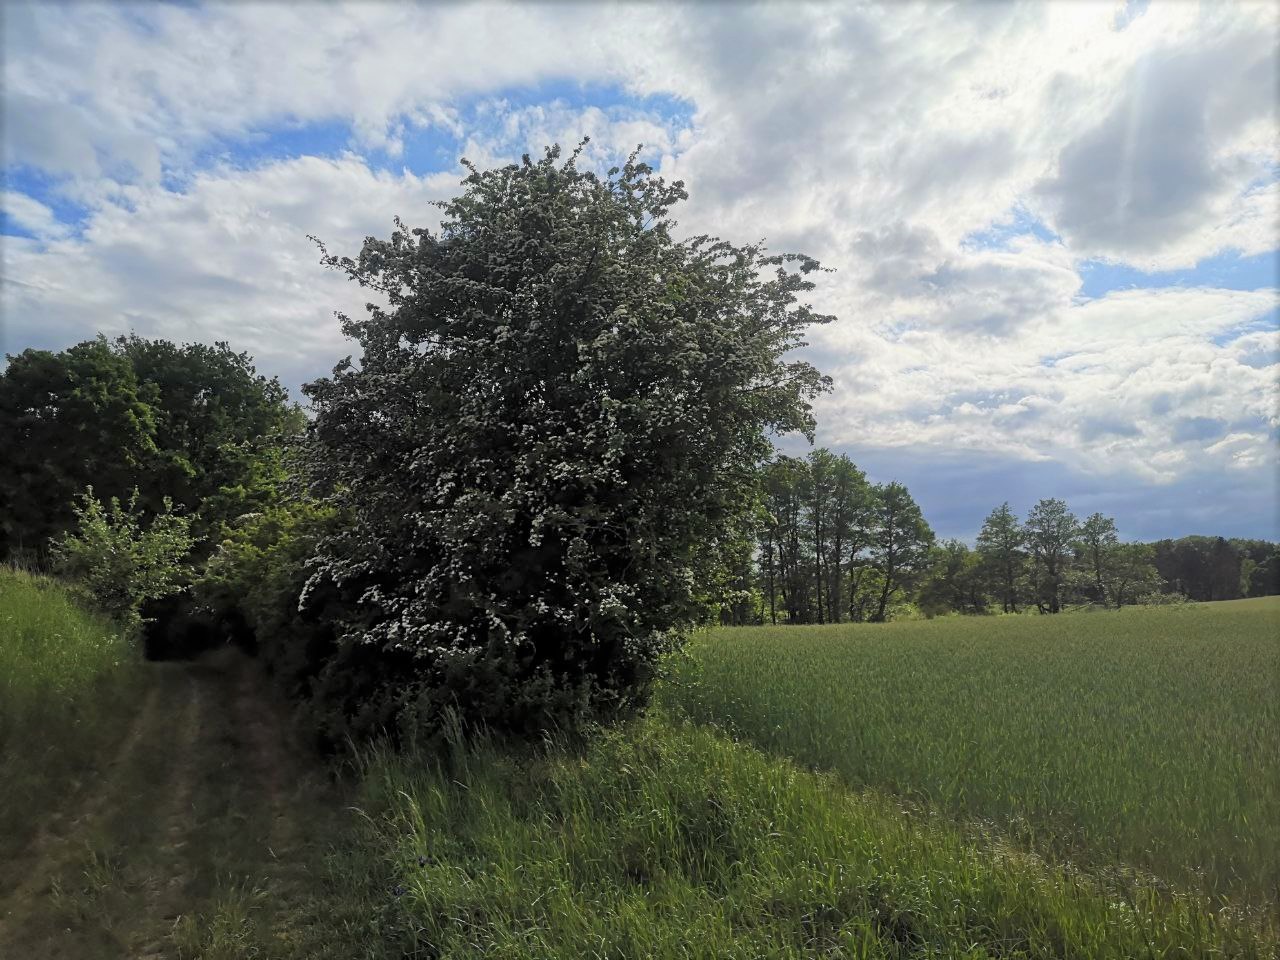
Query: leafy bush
{"type": "Point", "coordinates": [553, 424]}
{"type": "Point", "coordinates": [251, 588]}
{"type": "Point", "coordinates": [122, 562]}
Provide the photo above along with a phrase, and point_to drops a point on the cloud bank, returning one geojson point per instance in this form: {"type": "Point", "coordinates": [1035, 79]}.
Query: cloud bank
{"type": "Point", "coordinates": [970, 171]}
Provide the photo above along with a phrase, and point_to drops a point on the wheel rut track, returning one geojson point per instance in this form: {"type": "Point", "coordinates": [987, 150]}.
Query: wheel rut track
{"type": "Point", "coordinates": [202, 785]}
{"type": "Point", "coordinates": [50, 851]}
{"type": "Point", "coordinates": [163, 899]}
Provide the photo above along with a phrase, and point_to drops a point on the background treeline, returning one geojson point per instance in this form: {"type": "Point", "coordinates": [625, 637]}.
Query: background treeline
{"type": "Point", "coordinates": [828, 546]}
{"type": "Point", "coordinates": [196, 425]}
{"type": "Point", "coordinates": [192, 423]}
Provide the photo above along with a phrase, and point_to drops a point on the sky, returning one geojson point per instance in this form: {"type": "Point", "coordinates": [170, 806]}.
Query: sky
{"type": "Point", "coordinates": [1054, 227]}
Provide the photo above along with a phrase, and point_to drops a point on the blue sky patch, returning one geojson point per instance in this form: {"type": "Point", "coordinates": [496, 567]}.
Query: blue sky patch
{"type": "Point", "coordinates": [286, 141]}
{"type": "Point", "coordinates": [1228, 271]}
{"type": "Point", "coordinates": [1268, 321]}
{"type": "Point", "coordinates": [999, 236]}
{"type": "Point", "coordinates": [432, 147]}
{"type": "Point", "coordinates": [47, 189]}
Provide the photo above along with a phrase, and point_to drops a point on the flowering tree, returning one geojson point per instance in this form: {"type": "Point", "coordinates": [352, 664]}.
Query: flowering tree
{"type": "Point", "coordinates": [557, 413]}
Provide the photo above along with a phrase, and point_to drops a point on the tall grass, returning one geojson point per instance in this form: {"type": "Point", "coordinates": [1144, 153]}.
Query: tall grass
{"type": "Point", "coordinates": [671, 840]}
{"type": "Point", "coordinates": [65, 696]}
{"type": "Point", "coordinates": [1148, 737]}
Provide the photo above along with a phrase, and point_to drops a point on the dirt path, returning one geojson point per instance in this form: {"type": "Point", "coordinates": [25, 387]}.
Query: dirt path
{"type": "Point", "coordinates": [206, 798]}
{"type": "Point", "coordinates": [58, 831]}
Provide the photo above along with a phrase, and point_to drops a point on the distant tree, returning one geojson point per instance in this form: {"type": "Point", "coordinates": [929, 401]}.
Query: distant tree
{"type": "Point", "coordinates": [953, 583]}
{"type": "Point", "coordinates": [817, 525]}
{"type": "Point", "coordinates": [558, 408]}
{"type": "Point", "coordinates": [789, 574]}
{"type": "Point", "coordinates": [1098, 541]}
{"type": "Point", "coordinates": [1050, 532]}
{"type": "Point", "coordinates": [1130, 573]}
{"type": "Point", "coordinates": [1224, 571]}
{"type": "Point", "coordinates": [67, 420]}
{"type": "Point", "coordinates": [900, 541]}
{"type": "Point", "coordinates": [214, 414]}
{"type": "Point", "coordinates": [1001, 545]}
{"type": "Point", "coordinates": [1181, 565]}
{"type": "Point", "coordinates": [770, 540]}
{"type": "Point", "coordinates": [1259, 573]}
{"type": "Point", "coordinates": [822, 478]}
{"type": "Point", "coordinates": [1264, 578]}
{"type": "Point", "coordinates": [1201, 568]}
{"type": "Point", "coordinates": [866, 583]}
{"type": "Point", "coordinates": [849, 532]}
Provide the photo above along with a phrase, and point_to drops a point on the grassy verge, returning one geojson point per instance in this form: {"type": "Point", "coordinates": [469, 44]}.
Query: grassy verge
{"type": "Point", "coordinates": [211, 835]}
{"type": "Point", "coordinates": [672, 840]}
{"type": "Point", "coordinates": [1149, 737]}
{"type": "Point", "coordinates": [66, 697]}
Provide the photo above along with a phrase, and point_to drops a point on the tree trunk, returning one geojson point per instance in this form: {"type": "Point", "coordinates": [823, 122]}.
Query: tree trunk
{"type": "Point", "coordinates": [773, 609]}
{"type": "Point", "coordinates": [884, 594]}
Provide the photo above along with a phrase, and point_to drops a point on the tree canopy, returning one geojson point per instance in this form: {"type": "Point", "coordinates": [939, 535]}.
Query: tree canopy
{"type": "Point", "coordinates": [185, 422]}
{"type": "Point", "coordinates": [67, 420]}
{"type": "Point", "coordinates": [557, 414]}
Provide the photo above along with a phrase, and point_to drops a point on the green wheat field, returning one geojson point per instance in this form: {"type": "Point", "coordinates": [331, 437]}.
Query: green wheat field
{"type": "Point", "coordinates": [1148, 738]}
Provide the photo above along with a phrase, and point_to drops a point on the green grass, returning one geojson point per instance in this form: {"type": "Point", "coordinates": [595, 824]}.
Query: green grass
{"type": "Point", "coordinates": [671, 840]}
{"type": "Point", "coordinates": [215, 838]}
{"type": "Point", "coordinates": [1148, 737]}
{"type": "Point", "coordinates": [65, 697]}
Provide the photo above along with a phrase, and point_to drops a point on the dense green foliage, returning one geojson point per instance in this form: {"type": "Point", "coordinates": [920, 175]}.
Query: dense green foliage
{"type": "Point", "coordinates": [1150, 737]}
{"type": "Point", "coordinates": [1213, 568]}
{"type": "Point", "coordinates": [215, 417]}
{"type": "Point", "coordinates": [123, 560]}
{"type": "Point", "coordinates": [554, 422]}
{"type": "Point", "coordinates": [67, 420]}
{"type": "Point", "coordinates": [833, 546]}
{"type": "Point", "coordinates": [252, 585]}
{"type": "Point", "coordinates": [64, 697]}
{"type": "Point", "coordinates": [186, 423]}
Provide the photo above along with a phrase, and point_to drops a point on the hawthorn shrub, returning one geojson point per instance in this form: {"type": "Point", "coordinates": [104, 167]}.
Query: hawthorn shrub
{"type": "Point", "coordinates": [557, 415]}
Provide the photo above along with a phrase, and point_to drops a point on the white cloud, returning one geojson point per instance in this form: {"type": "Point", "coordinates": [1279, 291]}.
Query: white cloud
{"type": "Point", "coordinates": [31, 215]}
{"type": "Point", "coordinates": [228, 258]}
{"type": "Point", "coordinates": [1101, 385]}
{"type": "Point", "coordinates": [1172, 161]}
{"type": "Point", "coordinates": [876, 138]}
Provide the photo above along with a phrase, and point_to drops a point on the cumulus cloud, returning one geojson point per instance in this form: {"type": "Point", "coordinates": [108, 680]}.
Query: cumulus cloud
{"type": "Point", "coordinates": [954, 164]}
{"type": "Point", "coordinates": [1175, 157]}
{"type": "Point", "coordinates": [1106, 386]}
{"type": "Point", "coordinates": [226, 258]}
{"type": "Point", "coordinates": [30, 215]}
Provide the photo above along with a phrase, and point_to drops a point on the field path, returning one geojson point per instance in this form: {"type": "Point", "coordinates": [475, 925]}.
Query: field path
{"type": "Point", "coordinates": [206, 797]}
